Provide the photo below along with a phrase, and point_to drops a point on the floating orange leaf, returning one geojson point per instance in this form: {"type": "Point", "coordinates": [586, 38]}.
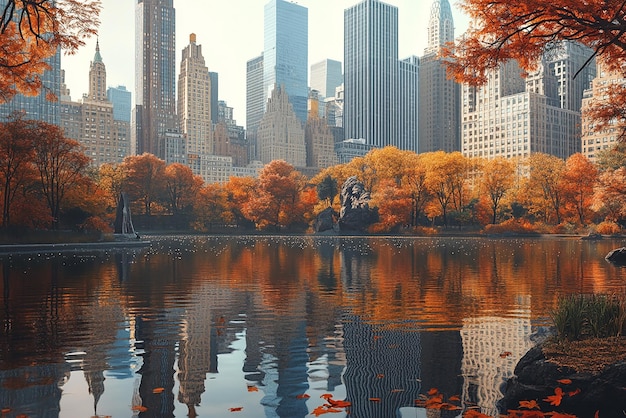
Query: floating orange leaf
{"type": "Point", "coordinates": [6, 410]}
{"type": "Point", "coordinates": [380, 376]}
{"type": "Point", "coordinates": [505, 354]}
{"type": "Point", "coordinates": [139, 408]}
{"type": "Point", "coordinates": [565, 381]}
{"type": "Point", "coordinates": [454, 398]}
{"type": "Point", "coordinates": [326, 396]}
{"type": "Point", "coordinates": [562, 415]}
{"type": "Point", "coordinates": [339, 404]}
{"type": "Point", "coordinates": [302, 396]}
{"type": "Point", "coordinates": [377, 337]}
{"type": "Point", "coordinates": [574, 392]}
{"type": "Point", "coordinates": [374, 399]}
{"type": "Point", "coordinates": [253, 389]}
{"type": "Point", "coordinates": [236, 409]}
{"type": "Point", "coordinates": [474, 414]}
{"type": "Point", "coordinates": [433, 391]}
{"type": "Point", "coordinates": [158, 390]}
{"type": "Point", "coordinates": [529, 404]}
{"type": "Point", "coordinates": [555, 399]}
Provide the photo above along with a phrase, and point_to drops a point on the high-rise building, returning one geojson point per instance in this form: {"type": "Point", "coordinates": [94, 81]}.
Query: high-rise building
{"type": "Point", "coordinates": [255, 101]}
{"type": "Point", "coordinates": [595, 139]}
{"type": "Point", "coordinates": [408, 95]}
{"type": "Point", "coordinates": [155, 78]}
{"type": "Point", "coordinates": [326, 76]}
{"type": "Point", "coordinates": [371, 73]}
{"type": "Point", "coordinates": [194, 101]}
{"type": "Point", "coordinates": [439, 96]}
{"type": "Point", "coordinates": [92, 122]}
{"type": "Point", "coordinates": [122, 102]}
{"type": "Point", "coordinates": [319, 139]}
{"type": "Point", "coordinates": [285, 53]}
{"type": "Point", "coordinates": [214, 77]}
{"type": "Point", "coordinates": [281, 134]}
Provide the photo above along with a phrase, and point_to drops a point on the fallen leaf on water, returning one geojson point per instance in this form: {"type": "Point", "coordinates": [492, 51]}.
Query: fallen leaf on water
{"type": "Point", "coordinates": [565, 381]}
{"type": "Point", "coordinates": [377, 337]}
{"type": "Point", "coordinates": [339, 403]}
{"type": "Point", "coordinates": [302, 396]}
{"type": "Point", "coordinates": [326, 396]}
{"type": "Point", "coordinates": [454, 398]}
{"type": "Point", "coordinates": [380, 376]}
{"type": "Point", "coordinates": [474, 414]}
{"type": "Point", "coordinates": [562, 415]}
{"type": "Point", "coordinates": [139, 408]}
{"type": "Point", "coordinates": [236, 409]}
{"type": "Point", "coordinates": [433, 391]}
{"type": "Point", "coordinates": [158, 390]}
{"type": "Point", "coordinates": [574, 392]}
{"type": "Point", "coordinates": [6, 410]}
{"type": "Point", "coordinates": [253, 389]}
{"type": "Point", "coordinates": [529, 404]}
{"type": "Point", "coordinates": [505, 354]}
{"type": "Point", "coordinates": [374, 399]}
{"type": "Point", "coordinates": [555, 399]}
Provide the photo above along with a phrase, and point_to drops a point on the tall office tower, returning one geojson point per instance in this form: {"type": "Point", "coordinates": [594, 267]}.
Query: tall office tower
{"type": "Point", "coordinates": [230, 138]}
{"type": "Point", "coordinates": [194, 102]}
{"type": "Point", "coordinates": [214, 77]}
{"type": "Point", "coordinates": [319, 139]}
{"type": "Point", "coordinates": [408, 95]}
{"type": "Point", "coordinates": [439, 97]}
{"type": "Point", "coordinates": [93, 123]}
{"type": "Point", "coordinates": [255, 102]}
{"type": "Point", "coordinates": [155, 77]}
{"type": "Point", "coordinates": [595, 140]}
{"type": "Point", "coordinates": [285, 53]}
{"type": "Point", "coordinates": [506, 118]}
{"type": "Point", "coordinates": [371, 73]}
{"type": "Point", "coordinates": [280, 134]}
{"type": "Point", "coordinates": [326, 76]}
{"type": "Point", "coordinates": [122, 102]}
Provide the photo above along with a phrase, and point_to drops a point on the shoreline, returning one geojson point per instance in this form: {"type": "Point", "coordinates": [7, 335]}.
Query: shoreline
{"type": "Point", "coordinates": [9, 249]}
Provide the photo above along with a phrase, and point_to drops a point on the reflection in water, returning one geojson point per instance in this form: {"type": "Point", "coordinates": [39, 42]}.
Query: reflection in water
{"type": "Point", "coordinates": [195, 326]}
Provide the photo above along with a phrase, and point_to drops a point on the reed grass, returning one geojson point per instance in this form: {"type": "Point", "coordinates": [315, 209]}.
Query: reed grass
{"type": "Point", "coordinates": [583, 316]}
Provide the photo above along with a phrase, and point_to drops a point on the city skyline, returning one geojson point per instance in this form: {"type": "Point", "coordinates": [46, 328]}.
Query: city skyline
{"type": "Point", "coordinates": [227, 51]}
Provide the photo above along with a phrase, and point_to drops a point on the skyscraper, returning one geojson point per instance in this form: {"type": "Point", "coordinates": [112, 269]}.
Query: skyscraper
{"type": "Point", "coordinates": [326, 76]}
{"type": "Point", "coordinates": [194, 101]}
{"type": "Point", "coordinates": [155, 76]}
{"type": "Point", "coordinates": [371, 73]}
{"type": "Point", "coordinates": [285, 53]}
{"type": "Point", "coordinates": [439, 97]}
{"type": "Point", "coordinates": [255, 101]}
{"type": "Point", "coordinates": [122, 101]}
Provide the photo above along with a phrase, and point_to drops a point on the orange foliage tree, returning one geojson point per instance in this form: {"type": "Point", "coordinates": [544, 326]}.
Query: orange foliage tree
{"type": "Point", "coordinates": [446, 179]}
{"type": "Point", "coordinates": [610, 194]}
{"type": "Point", "coordinates": [145, 179]}
{"type": "Point", "coordinates": [543, 187]}
{"type": "Point", "coordinates": [239, 191]}
{"type": "Point", "coordinates": [31, 31]}
{"type": "Point", "coordinates": [181, 187]}
{"type": "Point", "coordinates": [394, 206]}
{"type": "Point", "coordinates": [502, 30]}
{"type": "Point", "coordinates": [211, 208]}
{"type": "Point", "coordinates": [60, 163]}
{"type": "Point", "coordinates": [278, 201]}
{"type": "Point", "coordinates": [497, 179]}
{"type": "Point", "coordinates": [578, 182]}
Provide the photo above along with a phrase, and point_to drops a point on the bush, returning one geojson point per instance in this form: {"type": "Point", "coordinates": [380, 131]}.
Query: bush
{"type": "Point", "coordinates": [608, 228]}
{"type": "Point", "coordinates": [578, 317]}
{"type": "Point", "coordinates": [512, 226]}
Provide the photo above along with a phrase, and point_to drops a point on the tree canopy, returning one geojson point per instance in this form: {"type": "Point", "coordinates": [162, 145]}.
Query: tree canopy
{"type": "Point", "coordinates": [32, 31]}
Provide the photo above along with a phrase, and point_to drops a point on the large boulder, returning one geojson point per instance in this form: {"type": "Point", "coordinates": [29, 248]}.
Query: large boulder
{"type": "Point", "coordinates": [537, 378]}
{"type": "Point", "coordinates": [617, 256]}
{"type": "Point", "coordinates": [325, 221]}
{"type": "Point", "coordinates": [356, 214]}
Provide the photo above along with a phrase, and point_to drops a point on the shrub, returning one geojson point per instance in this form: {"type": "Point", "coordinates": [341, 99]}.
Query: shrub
{"type": "Point", "coordinates": [514, 226]}
{"type": "Point", "coordinates": [608, 228]}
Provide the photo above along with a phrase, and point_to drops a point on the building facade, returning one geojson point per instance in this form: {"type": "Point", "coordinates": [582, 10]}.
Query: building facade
{"type": "Point", "coordinates": [122, 102]}
{"type": "Point", "coordinates": [155, 77]}
{"type": "Point", "coordinates": [255, 101]}
{"type": "Point", "coordinates": [326, 76]}
{"type": "Point", "coordinates": [371, 73]}
{"type": "Point", "coordinates": [281, 134]}
{"type": "Point", "coordinates": [439, 97]}
{"type": "Point", "coordinates": [286, 51]}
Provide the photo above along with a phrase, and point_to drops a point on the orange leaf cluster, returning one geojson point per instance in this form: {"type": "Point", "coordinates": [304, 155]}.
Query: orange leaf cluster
{"type": "Point", "coordinates": [331, 406]}
{"type": "Point", "coordinates": [435, 400]}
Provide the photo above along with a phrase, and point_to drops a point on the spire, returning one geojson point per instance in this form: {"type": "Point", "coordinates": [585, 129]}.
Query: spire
{"type": "Point", "coordinates": [440, 25]}
{"type": "Point", "coordinates": [97, 57]}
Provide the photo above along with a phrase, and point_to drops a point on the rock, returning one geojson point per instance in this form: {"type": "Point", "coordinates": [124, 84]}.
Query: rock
{"type": "Point", "coordinates": [617, 256]}
{"type": "Point", "coordinates": [325, 221]}
{"type": "Point", "coordinates": [356, 214]}
{"type": "Point", "coordinates": [537, 378]}
{"type": "Point", "coordinates": [592, 236]}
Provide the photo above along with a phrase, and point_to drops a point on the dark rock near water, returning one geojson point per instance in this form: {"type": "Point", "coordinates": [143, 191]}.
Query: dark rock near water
{"type": "Point", "coordinates": [617, 256]}
{"type": "Point", "coordinates": [536, 379]}
{"type": "Point", "coordinates": [356, 214]}
{"type": "Point", "coordinates": [325, 221]}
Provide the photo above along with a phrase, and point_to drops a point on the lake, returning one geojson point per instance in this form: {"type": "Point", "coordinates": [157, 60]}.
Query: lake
{"type": "Point", "coordinates": [275, 326]}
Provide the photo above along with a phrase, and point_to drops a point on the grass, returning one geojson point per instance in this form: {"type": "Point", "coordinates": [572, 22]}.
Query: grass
{"type": "Point", "coordinates": [584, 316]}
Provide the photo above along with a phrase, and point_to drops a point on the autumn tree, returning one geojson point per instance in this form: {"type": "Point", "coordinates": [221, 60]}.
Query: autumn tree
{"type": "Point", "coordinates": [414, 182]}
{"type": "Point", "coordinates": [60, 163]}
{"type": "Point", "coordinates": [394, 206]}
{"type": "Point", "coordinates": [542, 188]}
{"type": "Point", "coordinates": [611, 158]}
{"type": "Point", "coordinates": [16, 156]}
{"type": "Point", "coordinates": [446, 179]}
{"type": "Point", "coordinates": [211, 208]}
{"type": "Point", "coordinates": [498, 177]}
{"type": "Point", "coordinates": [327, 190]}
{"type": "Point", "coordinates": [577, 183]}
{"type": "Point", "coordinates": [523, 31]}
{"type": "Point", "coordinates": [609, 197]}
{"type": "Point", "coordinates": [145, 180]}
{"type": "Point", "coordinates": [239, 191]}
{"type": "Point", "coordinates": [33, 31]}
{"type": "Point", "coordinates": [112, 178]}
{"type": "Point", "coordinates": [181, 187]}
{"type": "Point", "coordinates": [278, 201]}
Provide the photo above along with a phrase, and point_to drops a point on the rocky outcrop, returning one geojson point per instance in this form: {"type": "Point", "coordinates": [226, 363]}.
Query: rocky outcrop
{"type": "Point", "coordinates": [537, 379]}
{"type": "Point", "coordinates": [356, 214]}
{"type": "Point", "coordinates": [617, 256]}
{"type": "Point", "coordinates": [325, 221]}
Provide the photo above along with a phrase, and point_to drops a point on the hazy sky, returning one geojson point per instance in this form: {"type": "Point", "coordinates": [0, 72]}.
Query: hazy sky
{"type": "Point", "coordinates": [231, 33]}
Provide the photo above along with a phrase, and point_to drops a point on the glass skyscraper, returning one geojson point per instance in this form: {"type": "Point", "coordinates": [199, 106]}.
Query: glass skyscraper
{"type": "Point", "coordinates": [155, 76]}
{"type": "Point", "coordinates": [371, 73]}
{"type": "Point", "coordinates": [285, 52]}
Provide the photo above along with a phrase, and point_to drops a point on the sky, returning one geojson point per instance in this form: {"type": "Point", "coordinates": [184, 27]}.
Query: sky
{"type": "Point", "coordinates": [231, 33]}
